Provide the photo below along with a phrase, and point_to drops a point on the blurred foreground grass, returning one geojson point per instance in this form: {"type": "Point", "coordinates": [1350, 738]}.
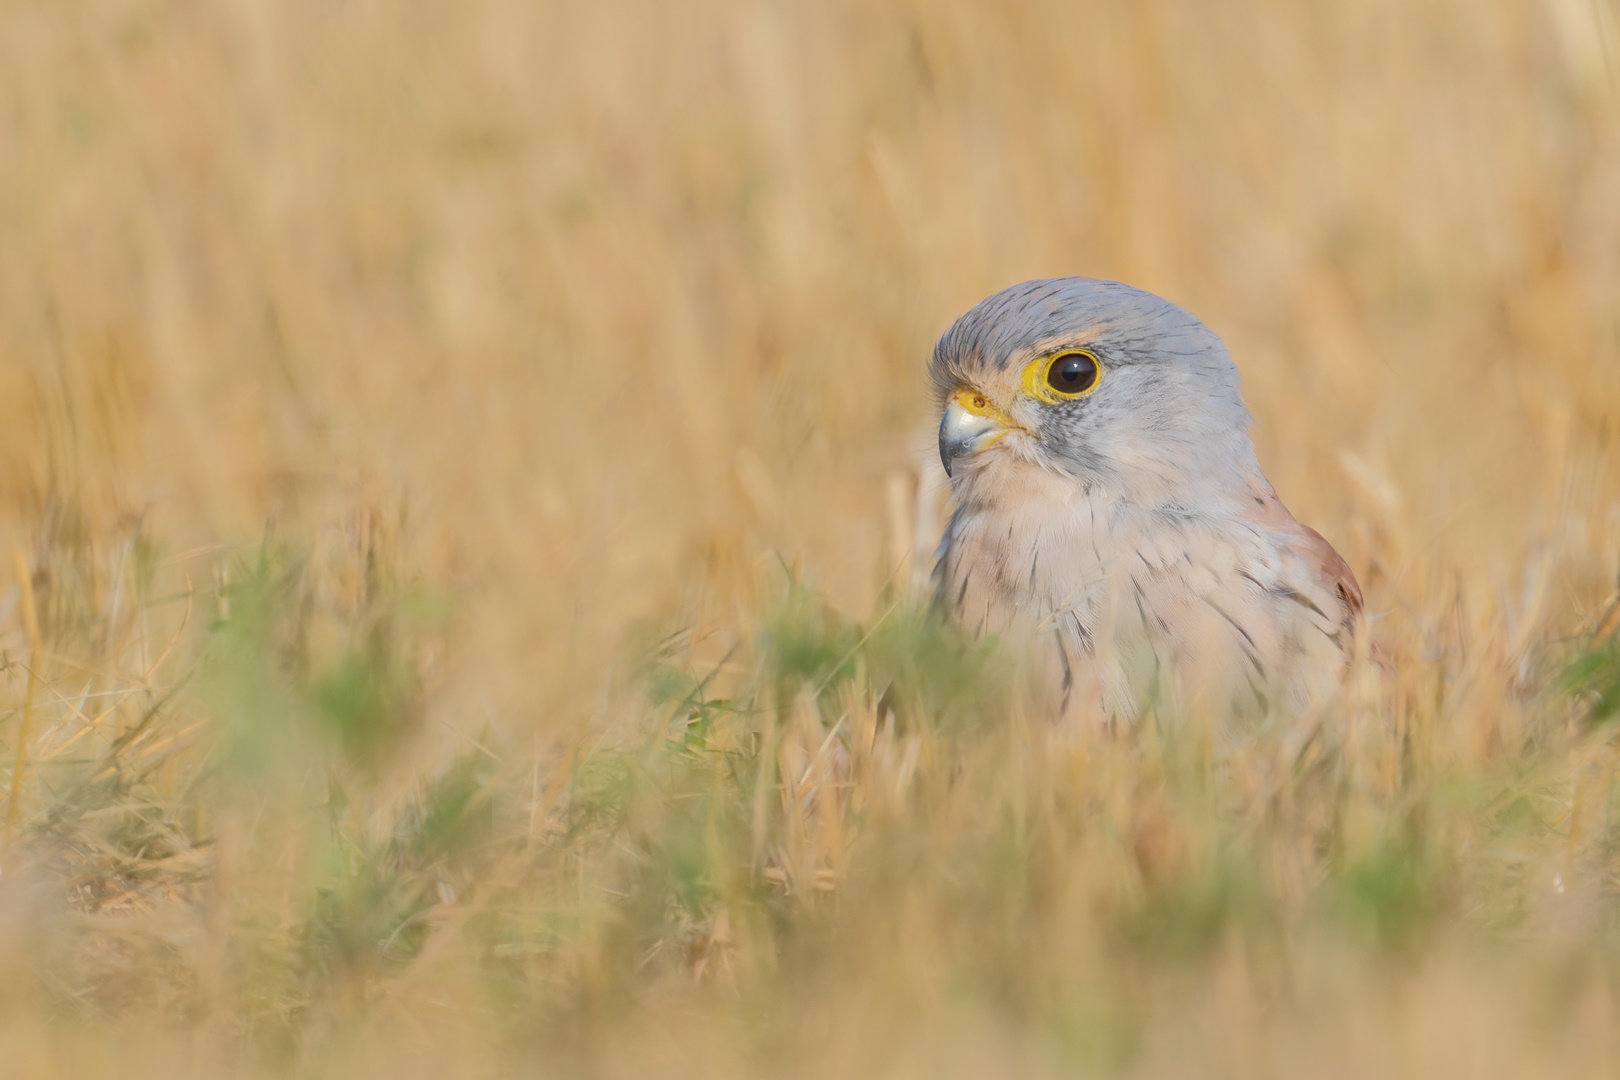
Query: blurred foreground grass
{"type": "Point", "coordinates": [463, 471]}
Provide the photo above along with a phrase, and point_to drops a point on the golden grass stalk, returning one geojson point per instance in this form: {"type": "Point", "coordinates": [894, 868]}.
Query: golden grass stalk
{"type": "Point", "coordinates": [30, 616]}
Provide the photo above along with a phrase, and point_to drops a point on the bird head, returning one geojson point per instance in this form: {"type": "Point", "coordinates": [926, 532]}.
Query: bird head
{"type": "Point", "coordinates": [1095, 381]}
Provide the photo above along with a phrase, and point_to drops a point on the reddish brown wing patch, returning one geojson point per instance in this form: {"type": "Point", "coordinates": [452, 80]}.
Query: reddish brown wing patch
{"type": "Point", "coordinates": [1332, 566]}
{"type": "Point", "coordinates": [1312, 546]}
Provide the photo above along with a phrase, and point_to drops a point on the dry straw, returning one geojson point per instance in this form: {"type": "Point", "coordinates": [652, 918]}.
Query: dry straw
{"type": "Point", "coordinates": [535, 393]}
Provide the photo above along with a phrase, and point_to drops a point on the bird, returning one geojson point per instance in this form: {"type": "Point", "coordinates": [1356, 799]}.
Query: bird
{"type": "Point", "coordinates": [1110, 509]}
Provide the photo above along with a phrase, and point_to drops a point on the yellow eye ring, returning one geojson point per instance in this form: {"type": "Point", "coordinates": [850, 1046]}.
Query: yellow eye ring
{"type": "Point", "coordinates": [1065, 375]}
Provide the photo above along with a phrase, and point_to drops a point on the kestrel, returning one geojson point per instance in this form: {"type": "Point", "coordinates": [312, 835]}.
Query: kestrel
{"type": "Point", "coordinates": [1109, 503]}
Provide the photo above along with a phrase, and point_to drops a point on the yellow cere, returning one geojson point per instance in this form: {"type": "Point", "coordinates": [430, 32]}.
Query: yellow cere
{"type": "Point", "coordinates": [975, 402]}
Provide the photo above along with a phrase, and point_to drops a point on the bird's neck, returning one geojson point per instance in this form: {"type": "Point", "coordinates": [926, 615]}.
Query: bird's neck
{"type": "Point", "coordinates": [1034, 498]}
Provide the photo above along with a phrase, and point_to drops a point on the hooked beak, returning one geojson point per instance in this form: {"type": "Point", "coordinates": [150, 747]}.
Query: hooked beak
{"type": "Point", "coordinates": [971, 423]}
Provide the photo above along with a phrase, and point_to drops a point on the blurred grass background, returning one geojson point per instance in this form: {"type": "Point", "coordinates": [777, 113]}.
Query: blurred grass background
{"type": "Point", "coordinates": [461, 468]}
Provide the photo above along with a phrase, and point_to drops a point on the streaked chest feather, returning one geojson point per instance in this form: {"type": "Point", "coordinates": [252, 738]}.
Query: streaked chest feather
{"type": "Point", "coordinates": [1132, 594]}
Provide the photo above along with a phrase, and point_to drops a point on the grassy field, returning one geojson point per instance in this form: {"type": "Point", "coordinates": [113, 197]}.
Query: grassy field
{"type": "Point", "coordinates": [466, 471]}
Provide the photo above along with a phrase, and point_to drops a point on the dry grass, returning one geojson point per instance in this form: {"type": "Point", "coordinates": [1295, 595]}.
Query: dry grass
{"type": "Point", "coordinates": [460, 464]}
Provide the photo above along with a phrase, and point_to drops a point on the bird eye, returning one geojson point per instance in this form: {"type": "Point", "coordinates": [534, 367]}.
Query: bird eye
{"type": "Point", "coordinates": [1062, 376]}
{"type": "Point", "coordinates": [1072, 374]}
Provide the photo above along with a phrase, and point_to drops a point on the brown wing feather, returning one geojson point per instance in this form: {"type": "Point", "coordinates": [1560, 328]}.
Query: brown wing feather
{"type": "Point", "coordinates": [1312, 545]}
{"type": "Point", "coordinates": [1332, 567]}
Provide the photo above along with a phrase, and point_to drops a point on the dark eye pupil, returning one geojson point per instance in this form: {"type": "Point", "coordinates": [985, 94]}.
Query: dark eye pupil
{"type": "Point", "coordinates": [1072, 374]}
